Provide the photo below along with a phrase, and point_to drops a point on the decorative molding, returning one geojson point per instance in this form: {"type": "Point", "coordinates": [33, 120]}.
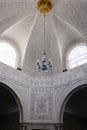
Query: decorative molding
{"type": "Point", "coordinates": [41, 106]}
{"type": "Point", "coordinates": [22, 79]}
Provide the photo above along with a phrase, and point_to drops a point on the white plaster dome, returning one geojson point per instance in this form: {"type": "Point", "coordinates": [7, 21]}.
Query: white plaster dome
{"type": "Point", "coordinates": [22, 24]}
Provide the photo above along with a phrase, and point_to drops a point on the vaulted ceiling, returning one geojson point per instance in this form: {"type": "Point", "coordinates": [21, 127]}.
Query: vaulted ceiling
{"type": "Point", "coordinates": [22, 25]}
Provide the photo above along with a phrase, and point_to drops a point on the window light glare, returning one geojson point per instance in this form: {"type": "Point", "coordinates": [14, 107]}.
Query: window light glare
{"type": "Point", "coordinates": [7, 54]}
{"type": "Point", "coordinates": [77, 56]}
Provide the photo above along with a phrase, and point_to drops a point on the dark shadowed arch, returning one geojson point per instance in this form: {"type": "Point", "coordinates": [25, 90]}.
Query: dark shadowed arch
{"type": "Point", "coordinates": [10, 98]}
{"type": "Point", "coordinates": [75, 108]}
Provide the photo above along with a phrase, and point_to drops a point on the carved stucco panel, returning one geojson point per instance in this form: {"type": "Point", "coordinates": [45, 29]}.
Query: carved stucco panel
{"type": "Point", "coordinates": [41, 104]}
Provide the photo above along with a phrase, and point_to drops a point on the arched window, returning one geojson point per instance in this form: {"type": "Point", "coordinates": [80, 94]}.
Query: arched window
{"type": "Point", "coordinates": [8, 54]}
{"type": "Point", "coordinates": [77, 56]}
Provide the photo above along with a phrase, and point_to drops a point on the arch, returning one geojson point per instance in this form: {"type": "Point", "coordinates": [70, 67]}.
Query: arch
{"type": "Point", "coordinates": [16, 98]}
{"type": "Point", "coordinates": [66, 95]}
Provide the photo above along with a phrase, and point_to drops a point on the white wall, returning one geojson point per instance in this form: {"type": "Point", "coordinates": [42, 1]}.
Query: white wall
{"type": "Point", "coordinates": [43, 98]}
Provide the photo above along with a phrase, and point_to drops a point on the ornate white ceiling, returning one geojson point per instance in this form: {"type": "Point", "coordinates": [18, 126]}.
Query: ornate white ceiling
{"type": "Point", "coordinates": [21, 23]}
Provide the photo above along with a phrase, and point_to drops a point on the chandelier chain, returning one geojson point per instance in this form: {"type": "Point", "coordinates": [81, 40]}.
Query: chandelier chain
{"type": "Point", "coordinates": [44, 30]}
{"type": "Point", "coordinates": [46, 64]}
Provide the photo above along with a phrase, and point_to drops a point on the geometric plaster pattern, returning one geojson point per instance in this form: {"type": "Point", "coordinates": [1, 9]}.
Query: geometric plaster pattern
{"type": "Point", "coordinates": [41, 104]}
{"type": "Point", "coordinates": [43, 101]}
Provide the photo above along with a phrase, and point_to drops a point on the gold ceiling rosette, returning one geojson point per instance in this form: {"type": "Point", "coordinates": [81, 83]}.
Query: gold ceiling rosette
{"type": "Point", "coordinates": [44, 6]}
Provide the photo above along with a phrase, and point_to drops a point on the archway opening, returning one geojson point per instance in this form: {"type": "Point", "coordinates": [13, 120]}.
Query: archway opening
{"type": "Point", "coordinates": [75, 113]}
{"type": "Point", "coordinates": [9, 110]}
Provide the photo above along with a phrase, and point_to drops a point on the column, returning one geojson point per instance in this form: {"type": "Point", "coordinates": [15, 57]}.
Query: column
{"type": "Point", "coordinates": [59, 126]}
{"type": "Point", "coordinates": [23, 126]}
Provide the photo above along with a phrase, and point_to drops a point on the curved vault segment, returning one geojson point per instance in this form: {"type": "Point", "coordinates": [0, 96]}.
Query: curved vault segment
{"type": "Point", "coordinates": [66, 35]}
{"type": "Point", "coordinates": [65, 31]}
{"type": "Point", "coordinates": [12, 11]}
{"type": "Point", "coordinates": [74, 12]}
{"type": "Point", "coordinates": [20, 33]}
{"type": "Point", "coordinates": [36, 45]}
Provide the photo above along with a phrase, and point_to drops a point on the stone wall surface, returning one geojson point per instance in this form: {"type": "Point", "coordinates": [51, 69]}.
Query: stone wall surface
{"type": "Point", "coordinates": [42, 98]}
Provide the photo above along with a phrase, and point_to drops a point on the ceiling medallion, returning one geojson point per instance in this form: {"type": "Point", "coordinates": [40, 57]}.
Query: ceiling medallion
{"type": "Point", "coordinates": [44, 6]}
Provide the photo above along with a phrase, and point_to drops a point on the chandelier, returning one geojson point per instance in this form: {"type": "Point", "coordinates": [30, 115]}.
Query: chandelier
{"type": "Point", "coordinates": [44, 6]}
